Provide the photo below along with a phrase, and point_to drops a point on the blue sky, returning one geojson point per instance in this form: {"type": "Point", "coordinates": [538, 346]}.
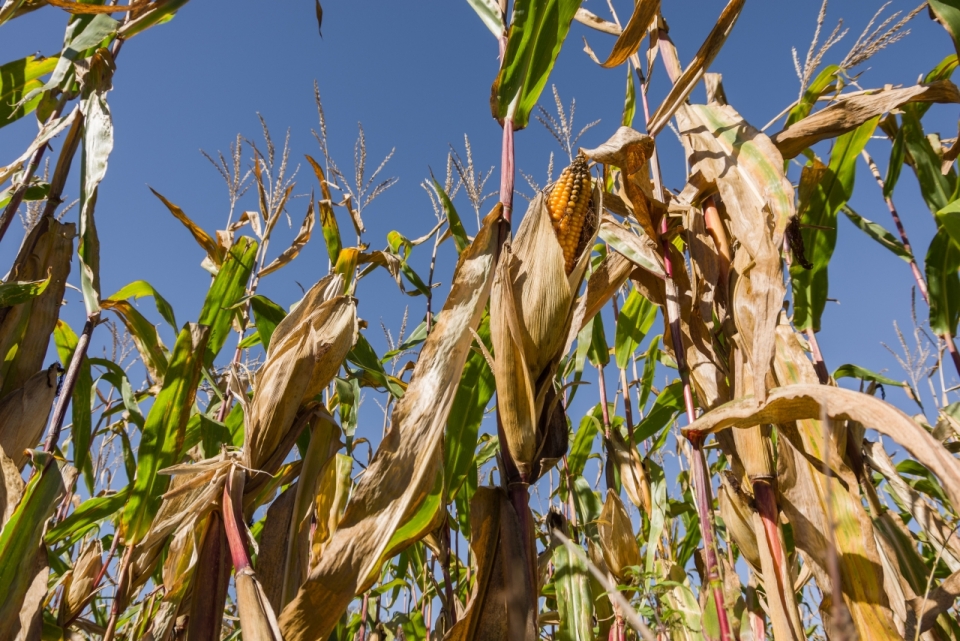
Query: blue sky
{"type": "Point", "coordinates": [417, 74]}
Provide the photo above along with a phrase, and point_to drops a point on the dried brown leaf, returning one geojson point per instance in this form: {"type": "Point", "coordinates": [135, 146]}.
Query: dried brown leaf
{"type": "Point", "coordinates": [24, 412]}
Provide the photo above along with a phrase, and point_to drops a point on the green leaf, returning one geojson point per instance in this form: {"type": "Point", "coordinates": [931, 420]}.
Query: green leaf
{"type": "Point", "coordinates": [156, 13]}
{"type": "Point", "coordinates": [878, 233]}
{"type": "Point", "coordinates": [82, 400]}
{"type": "Point", "coordinates": [489, 12]}
{"type": "Point", "coordinates": [587, 504]}
{"type": "Point", "coordinates": [629, 101]}
{"type": "Point", "coordinates": [536, 34]}
{"type": "Point", "coordinates": [328, 220]}
{"type": "Point", "coordinates": [820, 84]}
{"type": "Point", "coordinates": [140, 288]}
{"type": "Point", "coordinates": [97, 145]}
{"type": "Point", "coordinates": [266, 315]}
{"type": "Point", "coordinates": [943, 284]}
{"type": "Point", "coordinates": [22, 536]}
{"type": "Point", "coordinates": [225, 292]}
{"type": "Point", "coordinates": [459, 234]}
{"type": "Point", "coordinates": [145, 337]}
{"type": "Point", "coordinates": [363, 356]}
{"type": "Point", "coordinates": [15, 293]}
{"type": "Point", "coordinates": [115, 375]}
{"type": "Point", "coordinates": [823, 191]}
{"type": "Point", "coordinates": [466, 414]}
{"type": "Point", "coordinates": [855, 371]}
{"type": "Point", "coordinates": [948, 218]}
{"type": "Point", "coordinates": [38, 190]}
{"type": "Point", "coordinates": [20, 78]}
{"type": "Point", "coordinates": [599, 353]}
{"type": "Point", "coordinates": [664, 410]}
{"type": "Point", "coordinates": [163, 432]}
{"type": "Point", "coordinates": [649, 369]}
{"type": "Point", "coordinates": [898, 153]}
{"type": "Point", "coordinates": [582, 444]}
{"type": "Point", "coordinates": [635, 320]}
{"type": "Point", "coordinates": [573, 594]}
{"type": "Point", "coordinates": [948, 15]}
{"type": "Point", "coordinates": [87, 516]}
{"type": "Point", "coordinates": [934, 186]}
{"type": "Point", "coordinates": [83, 34]}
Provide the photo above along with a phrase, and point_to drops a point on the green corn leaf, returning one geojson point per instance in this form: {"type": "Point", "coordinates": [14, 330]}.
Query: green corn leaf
{"type": "Point", "coordinates": [936, 189]}
{"type": "Point", "coordinates": [156, 13]}
{"type": "Point", "coordinates": [629, 101]}
{"type": "Point", "coordinates": [115, 375]}
{"type": "Point", "coordinates": [363, 356]}
{"type": "Point", "coordinates": [459, 234]}
{"type": "Point", "coordinates": [812, 93]}
{"type": "Point", "coordinates": [582, 444]}
{"type": "Point", "coordinates": [20, 78]}
{"type": "Point", "coordinates": [140, 288]}
{"type": "Point", "coordinates": [536, 34]}
{"type": "Point", "coordinates": [86, 517]}
{"type": "Point", "coordinates": [15, 293]}
{"type": "Point", "coordinates": [328, 220]}
{"type": "Point", "coordinates": [598, 352]}
{"type": "Point", "coordinates": [490, 15]}
{"type": "Point", "coordinates": [823, 191]}
{"type": "Point", "coordinates": [943, 284]}
{"type": "Point", "coordinates": [878, 233]}
{"type": "Point", "coordinates": [635, 320]}
{"type": "Point", "coordinates": [948, 15]}
{"type": "Point", "coordinates": [145, 337]}
{"type": "Point", "coordinates": [466, 414]}
{"type": "Point", "coordinates": [266, 315]}
{"type": "Point", "coordinates": [855, 371]}
{"type": "Point", "coordinates": [163, 432]}
{"type": "Point", "coordinates": [574, 598]}
{"type": "Point", "coordinates": [81, 402]}
{"type": "Point", "coordinates": [22, 537]}
{"type": "Point", "coordinates": [649, 369]}
{"type": "Point", "coordinates": [225, 292]}
{"type": "Point", "coordinates": [897, 155]}
{"type": "Point", "coordinates": [664, 410]}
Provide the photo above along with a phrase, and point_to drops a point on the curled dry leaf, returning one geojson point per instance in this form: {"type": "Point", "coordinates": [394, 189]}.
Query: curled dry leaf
{"type": "Point", "coordinates": [531, 310]}
{"type": "Point", "coordinates": [411, 451]}
{"type": "Point", "coordinates": [25, 329]}
{"type": "Point", "coordinates": [302, 238]}
{"type": "Point", "coordinates": [306, 351]}
{"type": "Point", "coordinates": [24, 412]}
{"type": "Point", "coordinates": [644, 14]}
{"type": "Point", "coordinates": [849, 112]}
{"type": "Point", "coordinates": [629, 150]}
{"type": "Point", "coordinates": [748, 172]}
{"type": "Point", "coordinates": [738, 518]}
{"type": "Point", "coordinates": [695, 70]}
{"type": "Point", "coordinates": [806, 402]}
{"type": "Point", "coordinates": [11, 487]}
{"type": "Point", "coordinates": [633, 475]}
{"type": "Point", "coordinates": [617, 542]}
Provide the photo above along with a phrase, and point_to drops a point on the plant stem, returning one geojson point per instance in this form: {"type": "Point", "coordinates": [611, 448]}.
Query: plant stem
{"type": "Point", "coordinates": [507, 170]}
{"type": "Point", "coordinates": [698, 462]}
{"type": "Point", "coordinates": [362, 632]}
{"type": "Point", "coordinates": [118, 596]}
{"type": "Point", "coordinates": [69, 383]}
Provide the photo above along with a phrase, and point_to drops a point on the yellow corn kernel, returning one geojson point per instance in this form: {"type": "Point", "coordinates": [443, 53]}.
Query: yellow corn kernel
{"type": "Point", "coordinates": [568, 204]}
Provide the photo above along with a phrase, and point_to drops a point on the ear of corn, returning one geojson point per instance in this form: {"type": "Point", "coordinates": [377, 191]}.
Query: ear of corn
{"type": "Point", "coordinates": [569, 204]}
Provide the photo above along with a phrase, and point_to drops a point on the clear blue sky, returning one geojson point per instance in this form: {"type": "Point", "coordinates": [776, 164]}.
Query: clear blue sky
{"type": "Point", "coordinates": [418, 74]}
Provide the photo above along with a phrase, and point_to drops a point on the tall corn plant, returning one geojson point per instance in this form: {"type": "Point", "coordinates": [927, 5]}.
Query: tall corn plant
{"type": "Point", "coordinates": [239, 514]}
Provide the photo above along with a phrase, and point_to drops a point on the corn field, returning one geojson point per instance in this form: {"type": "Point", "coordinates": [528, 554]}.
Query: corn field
{"type": "Point", "coordinates": [729, 489]}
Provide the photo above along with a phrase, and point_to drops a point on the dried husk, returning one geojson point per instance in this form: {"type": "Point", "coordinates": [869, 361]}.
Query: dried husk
{"type": "Point", "coordinates": [531, 309]}
{"type": "Point", "coordinates": [333, 490]}
{"type": "Point", "coordinates": [274, 546]}
{"type": "Point", "coordinates": [410, 451]}
{"type": "Point", "coordinates": [306, 351]}
{"type": "Point", "coordinates": [617, 541]}
{"type": "Point", "coordinates": [737, 516]}
{"type": "Point", "coordinates": [629, 150]}
{"type": "Point", "coordinates": [633, 475]}
{"type": "Point", "coordinates": [11, 487]}
{"type": "Point", "coordinates": [24, 412]}
{"type": "Point", "coordinates": [758, 199]}
{"type": "Point", "coordinates": [27, 327]}
{"type": "Point", "coordinates": [490, 615]}
{"type": "Point", "coordinates": [210, 582]}
{"type": "Point", "coordinates": [78, 585]}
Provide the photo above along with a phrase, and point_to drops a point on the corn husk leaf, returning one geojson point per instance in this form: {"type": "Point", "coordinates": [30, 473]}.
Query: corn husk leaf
{"type": "Point", "coordinates": [530, 314]}
{"type": "Point", "coordinates": [848, 113]}
{"type": "Point", "coordinates": [333, 490]}
{"type": "Point", "coordinates": [274, 545]}
{"type": "Point", "coordinates": [410, 450]}
{"type": "Point", "coordinates": [698, 66]}
{"type": "Point", "coordinates": [748, 171]}
{"type": "Point", "coordinates": [629, 150]}
{"type": "Point", "coordinates": [210, 582]}
{"type": "Point", "coordinates": [500, 583]}
{"type": "Point", "coordinates": [26, 328]}
{"type": "Point", "coordinates": [306, 351]}
{"type": "Point", "coordinates": [24, 412]}
{"type": "Point", "coordinates": [603, 283]}
{"type": "Point", "coordinates": [77, 588]}
{"type": "Point", "coordinates": [617, 541]}
{"type": "Point", "coordinates": [633, 475]}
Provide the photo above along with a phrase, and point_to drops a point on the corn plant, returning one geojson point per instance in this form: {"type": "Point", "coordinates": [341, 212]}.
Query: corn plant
{"type": "Point", "coordinates": [216, 488]}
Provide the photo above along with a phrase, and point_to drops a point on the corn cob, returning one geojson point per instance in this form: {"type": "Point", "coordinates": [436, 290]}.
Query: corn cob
{"type": "Point", "coordinates": [568, 205]}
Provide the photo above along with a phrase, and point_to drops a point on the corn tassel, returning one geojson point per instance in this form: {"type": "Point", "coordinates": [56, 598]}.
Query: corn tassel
{"type": "Point", "coordinates": [568, 204]}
